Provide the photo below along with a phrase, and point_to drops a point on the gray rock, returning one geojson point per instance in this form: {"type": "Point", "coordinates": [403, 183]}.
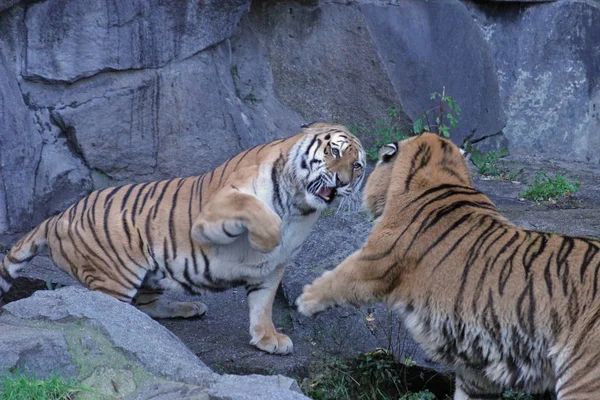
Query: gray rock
{"type": "Point", "coordinates": [6, 4]}
{"type": "Point", "coordinates": [339, 79]}
{"type": "Point", "coordinates": [549, 74]}
{"type": "Point", "coordinates": [160, 352]}
{"type": "Point", "coordinates": [169, 391]}
{"type": "Point", "coordinates": [19, 155]}
{"type": "Point", "coordinates": [423, 52]}
{"type": "Point", "coordinates": [247, 387]}
{"type": "Point", "coordinates": [69, 40]}
{"type": "Point", "coordinates": [34, 350]}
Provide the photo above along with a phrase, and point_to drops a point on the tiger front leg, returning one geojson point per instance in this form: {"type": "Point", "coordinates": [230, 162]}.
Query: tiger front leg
{"type": "Point", "coordinates": [260, 303]}
{"type": "Point", "coordinates": [231, 213]}
{"type": "Point", "coordinates": [351, 282]}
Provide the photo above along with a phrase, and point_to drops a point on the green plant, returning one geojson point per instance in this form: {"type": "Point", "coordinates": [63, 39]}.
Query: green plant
{"type": "Point", "coordinates": [514, 395]}
{"type": "Point", "coordinates": [545, 188]}
{"type": "Point", "coordinates": [20, 386]}
{"type": "Point", "coordinates": [385, 131]}
{"type": "Point", "coordinates": [489, 164]}
{"type": "Point", "coordinates": [424, 395]}
{"type": "Point", "coordinates": [447, 109]}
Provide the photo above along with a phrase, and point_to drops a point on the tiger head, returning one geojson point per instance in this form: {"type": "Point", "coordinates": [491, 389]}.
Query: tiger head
{"type": "Point", "coordinates": [406, 168]}
{"type": "Point", "coordinates": [331, 164]}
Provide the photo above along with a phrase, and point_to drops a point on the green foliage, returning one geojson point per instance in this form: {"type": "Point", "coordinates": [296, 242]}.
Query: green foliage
{"type": "Point", "coordinates": [447, 110]}
{"type": "Point", "coordinates": [489, 164]}
{"type": "Point", "coordinates": [424, 395]}
{"type": "Point", "coordinates": [19, 386]}
{"type": "Point", "coordinates": [376, 375]}
{"type": "Point", "coordinates": [384, 132]}
{"type": "Point", "coordinates": [514, 395]}
{"type": "Point", "coordinates": [545, 188]}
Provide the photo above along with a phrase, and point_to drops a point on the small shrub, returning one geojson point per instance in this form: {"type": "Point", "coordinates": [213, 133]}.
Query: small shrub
{"type": "Point", "coordinates": [515, 395]}
{"type": "Point", "coordinates": [384, 132]}
{"type": "Point", "coordinates": [489, 164]}
{"type": "Point", "coordinates": [446, 110]}
{"type": "Point", "coordinates": [19, 386]}
{"type": "Point", "coordinates": [545, 188]}
{"type": "Point", "coordinates": [424, 395]}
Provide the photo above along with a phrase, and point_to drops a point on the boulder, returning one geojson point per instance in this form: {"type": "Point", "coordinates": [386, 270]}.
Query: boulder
{"type": "Point", "coordinates": [428, 46]}
{"type": "Point", "coordinates": [73, 39]}
{"type": "Point", "coordinates": [116, 350]}
{"type": "Point", "coordinates": [547, 64]}
{"type": "Point", "coordinates": [20, 148]}
{"type": "Point", "coordinates": [325, 63]}
{"type": "Point", "coordinates": [35, 349]}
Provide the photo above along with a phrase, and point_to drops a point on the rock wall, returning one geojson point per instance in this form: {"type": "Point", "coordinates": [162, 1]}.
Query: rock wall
{"type": "Point", "coordinates": [548, 67]}
{"type": "Point", "coordinates": [102, 93]}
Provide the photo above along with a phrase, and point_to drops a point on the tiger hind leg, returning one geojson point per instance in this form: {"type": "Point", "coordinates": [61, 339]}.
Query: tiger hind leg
{"type": "Point", "coordinates": [260, 303]}
{"type": "Point", "coordinates": [155, 305]}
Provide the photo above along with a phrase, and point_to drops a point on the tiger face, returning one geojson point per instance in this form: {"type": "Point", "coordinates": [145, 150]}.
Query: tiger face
{"type": "Point", "coordinates": [334, 163]}
{"type": "Point", "coordinates": [422, 163]}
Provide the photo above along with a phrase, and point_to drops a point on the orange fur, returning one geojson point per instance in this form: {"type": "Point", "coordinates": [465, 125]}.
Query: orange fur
{"type": "Point", "coordinates": [505, 307]}
{"type": "Point", "coordinates": [235, 226]}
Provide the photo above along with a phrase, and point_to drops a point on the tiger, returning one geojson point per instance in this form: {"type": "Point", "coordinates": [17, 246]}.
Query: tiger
{"type": "Point", "coordinates": [237, 225]}
{"type": "Point", "coordinates": [502, 306]}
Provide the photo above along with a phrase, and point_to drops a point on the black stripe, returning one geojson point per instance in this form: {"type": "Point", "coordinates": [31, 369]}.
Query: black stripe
{"type": "Point", "coordinates": [93, 210]}
{"type": "Point", "coordinates": [126, 227]}
{"type": "Point", "coordinates": [548, 274]}
{"type": "Point", "coordinates": [530, 255]}
{"type": "Point", "coordinates": [121, 263]}
{"type": "Point", "coordinates": [590, 253]}
{"type": "Point", "coordinates": [223, 172]}
{"type": "Point", "coordinates": [149, 194]}
{"type": "Point", "coordinates": [111, 194]}
{"type": "Point", "coordinates": [126, 197]}
{"type": "Point", "coordinates": [275, 182]}
{"type": "Point", "coordinates": [243, 156]}
{"type": "Point", "coordinates": [310, 145]}
{"type": "Point", "coordinates": [261, 148]}
{"type": "Point", "coordinates": [89, 250]}
{"type": "Point", "coordinates": [443, 187]}
{"type": "Point", "coordinates": [424, 152]}
{"type": "Point", "coordinates": [562, 263]}
{"type": "Point", "coordinates": [507, 268]}
{"type": "Point", "coordinates": [192, 244]}
{"type": "Point", "coordinates": [160, 197]}
{"type": "Point", "coordinates": [229, 234]}
{"type": "Point", "coordinates": [444, 234]}
{"type": "Point", "coordinates": [135, 203]}
{"type": "Point", "coordinates": [172, 233]}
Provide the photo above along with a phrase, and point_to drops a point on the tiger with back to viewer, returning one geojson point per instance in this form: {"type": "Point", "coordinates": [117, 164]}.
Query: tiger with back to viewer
{"type": "Point", "coordinates": [237, 225]}
{"type": "Point", "coordinates": [505, 307]}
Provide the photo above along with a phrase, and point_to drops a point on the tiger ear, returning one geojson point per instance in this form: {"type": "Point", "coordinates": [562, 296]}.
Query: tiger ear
{"type": "Point", "coordinates": [465, 153]}
{"type": "Point", "coordinates": [387, 151]}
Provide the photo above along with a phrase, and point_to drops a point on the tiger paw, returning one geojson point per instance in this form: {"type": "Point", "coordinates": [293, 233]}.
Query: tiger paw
{"type": "Point", "coordinates": [311, 302]}
{"type": "Point", "coordinates": [266, 237]}
{"type": "Point", "coordinates": [164, 308]}
{"type": "Point", "coordinates": [276, 343]}
{"type": "Point", "coordinates": [264, 244]}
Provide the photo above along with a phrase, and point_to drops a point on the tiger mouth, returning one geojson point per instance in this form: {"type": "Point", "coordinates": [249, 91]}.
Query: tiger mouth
{"type": "Point", "coordinates": [326, 193]}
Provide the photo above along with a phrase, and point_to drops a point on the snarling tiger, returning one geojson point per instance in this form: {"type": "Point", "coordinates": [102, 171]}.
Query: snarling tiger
{"type": "Point", "coordinates": [235, 226]}
{"type": "Point", "coordinates": [505, 307]}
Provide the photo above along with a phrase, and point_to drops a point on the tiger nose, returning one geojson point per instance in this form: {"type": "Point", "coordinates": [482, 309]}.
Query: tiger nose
{"type": "Point", "coordinates": [339, 182]}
